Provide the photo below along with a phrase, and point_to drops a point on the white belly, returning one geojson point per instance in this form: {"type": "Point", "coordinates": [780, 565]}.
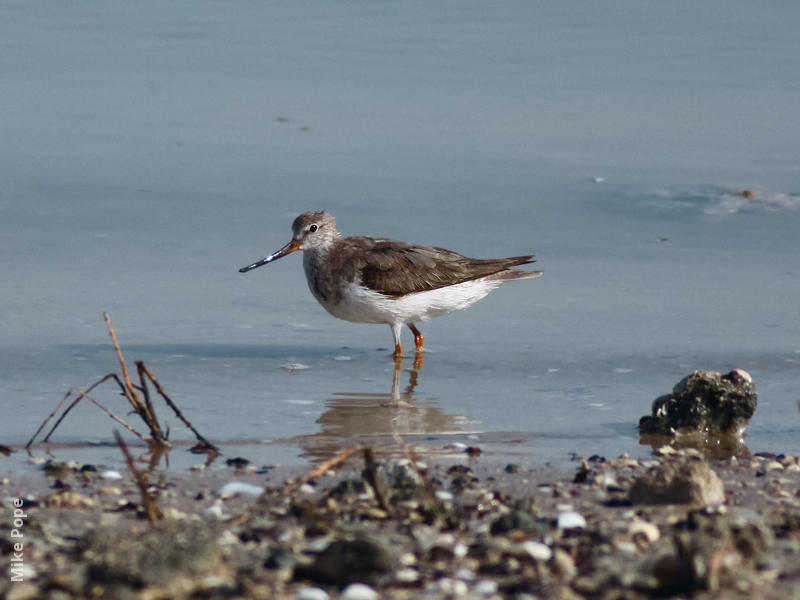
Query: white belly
{"type": "Point", "coordinates": [362, 305]}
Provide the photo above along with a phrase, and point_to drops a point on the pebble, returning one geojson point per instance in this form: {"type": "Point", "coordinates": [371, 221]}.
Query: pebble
{"type": "Point", "coordinates": [111, 475]}
{"type": "Point", "coordinates": [23, 591]}
{"type": "Point", "coordinates": [563, 565]}
{"type": "Point", "coordinates": [452, 586]}
{"type": "Point", "coordinates": [684, 481]}
{"type": "Point", "coordinates": [232, 488]}
{"type": "Point", "coordinates": [69, 499]}
{"type": "Point", "coordinates": [215, 511]}
{"type": "Point", "coordinates": [359, 591]}
{"type": "Point", "coordinates": [538, 550]}
{"type": "Point", "coordinates": [571, 520]}
{"type": "Point", "coordinates": [465, 574]}
{"type": "Point", "coordinates": [486, 587]}
{"type": "Point", "coordinates": [311, 593]}
{"type": "Point", "coordinates": [407, 575]}
{"type": "Point", "coordinates": [644, 529]}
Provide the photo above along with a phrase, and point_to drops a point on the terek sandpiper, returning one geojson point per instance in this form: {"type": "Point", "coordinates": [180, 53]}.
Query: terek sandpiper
{"type": "Point", "coordinates": [377, 280]}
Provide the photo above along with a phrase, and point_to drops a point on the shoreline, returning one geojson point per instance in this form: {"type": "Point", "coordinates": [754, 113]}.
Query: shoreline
{"type": "Point", "coordinates": [406, 528]}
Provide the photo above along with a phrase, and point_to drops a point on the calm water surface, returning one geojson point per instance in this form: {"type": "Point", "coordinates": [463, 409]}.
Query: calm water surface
{"type": "Point", "coordinates": [149, 151]}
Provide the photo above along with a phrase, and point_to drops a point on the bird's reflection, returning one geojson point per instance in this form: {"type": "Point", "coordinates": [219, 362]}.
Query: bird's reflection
{"type": "Point", "coordinates": [384, 420]}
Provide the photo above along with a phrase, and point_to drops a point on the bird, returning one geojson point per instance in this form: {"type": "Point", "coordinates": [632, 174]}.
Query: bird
{"type": "Point", "coordinates": [378, 280]}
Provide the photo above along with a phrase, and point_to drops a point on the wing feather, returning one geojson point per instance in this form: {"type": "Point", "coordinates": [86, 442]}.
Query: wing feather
{"type": "Point", "coordinates": [398, 268]}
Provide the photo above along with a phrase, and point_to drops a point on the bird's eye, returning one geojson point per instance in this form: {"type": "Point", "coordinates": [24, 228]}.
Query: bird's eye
{"type": "Point", "coordinates": [313, 228]}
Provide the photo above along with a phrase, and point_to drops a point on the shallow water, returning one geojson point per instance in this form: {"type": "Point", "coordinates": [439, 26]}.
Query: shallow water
{"type": "Point", "coordinates": [150, 151]}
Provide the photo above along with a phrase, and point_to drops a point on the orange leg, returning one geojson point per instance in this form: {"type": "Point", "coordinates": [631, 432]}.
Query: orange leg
{"type": "Point", "coordinates": [419, 341]}
{"type": "Point", "coordinates": [398, 351]}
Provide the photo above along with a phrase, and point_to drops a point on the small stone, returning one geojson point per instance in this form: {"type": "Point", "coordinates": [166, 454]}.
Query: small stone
{"type": "Point", "coordinates": [311, 593]}
{"type": "Point", "coordinates": [683, 481]}
{"type": "Point", "coordinates": [520, 520]}
{"type": "Point", "coordinates": [452, 586]}
{"type": "Point", "coordinates": [111, 474]}
{"type": "Point", "coordinates": [347, 561]}
{"type": "Point", "coordinates": [109, 491]}
{"type": "Point", "coordinates": [644, 530]}
{"type": "Point", "coordinates": [465, 574]}
{"type": "Point", "coordinates": [486, 587]}
{"type": "Point", "coordinates": [359, 591]}
{"type": "Point", "coordinates": [234, 488]}
{"type": "Point", "coordinates": [215, 511]}
{"type": "Point", "coordinates": [69, 499]}
{"type": "Point", "coordinates": [538, 550]}
{"type": "Point", "coordinates": [306, 489]}
{"type": "Point", "coordinates": [23, 591]}
{"type": "Point", "coordinates": [773, 466]}
{"type": "Point", "coordinates": [571, 520]}
{"type": "Point", "coordinates": [280, 558]}
{"type": "Point", "coordinates": [150, 555]}
{"type": "Point", "coordinates": [562, 565]}
{"type": "Point", "coordinates": [407, 575]}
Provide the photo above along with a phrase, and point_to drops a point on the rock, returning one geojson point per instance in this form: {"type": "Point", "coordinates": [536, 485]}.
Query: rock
{"type": "Point", "coordinates": [643, 533]}
{"type": "Point", "coordinates": [359, 591]}
{"type": "Point", "coordinates": [69, 499]}
{"type": "Point", "coordinates": [347, 561]}
{"type": "Point", "coordinates": [311, 593]}
{"type": "Point", "coordinates": [280, 558]}
{"type": "Point", "coordinates": [538, 550]}
{"type": "Point", "coordinates": [486, 587]}
{"type": "Point", "coordinates": [149, 553]}
{"type": "Point", "coordinates": [569, 519]}
{"type": "Point", "coordinates": [704, 402]}
{"type": "Point", "coordinates": [562, 565]}
{"type": "Point", "coordinates": [713, 551]}
{"type": "Point", "coordinates": [522, 521]}
{"type": "Point", "coordinates": [679, 481]}
{"type": "Point", "coordinates": [23, 591]}
{"type": "Point", "coordinates": [234, 488]}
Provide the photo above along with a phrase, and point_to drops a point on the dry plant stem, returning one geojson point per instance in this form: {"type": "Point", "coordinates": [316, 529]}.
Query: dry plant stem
{"type": "Point", "coordinates": [144, 371]}
{"type": "Point", "coordinates": [149, 502]}
{"type": "Point", "coordinates": [144, 409]}
{"type": "Point", "coordinates": [81, 394]}
{"type": "Point", "coordinates": [130, 391]}
{"type": "Point", "coordinates": [321, 469]}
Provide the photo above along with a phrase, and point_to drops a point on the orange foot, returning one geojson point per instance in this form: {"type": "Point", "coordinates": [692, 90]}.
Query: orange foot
{"type": "Point", "coordinates": [419, 341]}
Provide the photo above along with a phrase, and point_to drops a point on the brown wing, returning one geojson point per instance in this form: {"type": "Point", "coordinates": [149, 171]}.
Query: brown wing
{"type": "Point", "coordinates": [399, 268]}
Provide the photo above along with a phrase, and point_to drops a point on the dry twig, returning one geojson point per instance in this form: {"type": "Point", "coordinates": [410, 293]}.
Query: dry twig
{"type": "Point", "coordinates": [320, 469]}
{"type": "Point", "coordinates": [142, 479]}
{"type": "Point", "coordinates": [142, 407]}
